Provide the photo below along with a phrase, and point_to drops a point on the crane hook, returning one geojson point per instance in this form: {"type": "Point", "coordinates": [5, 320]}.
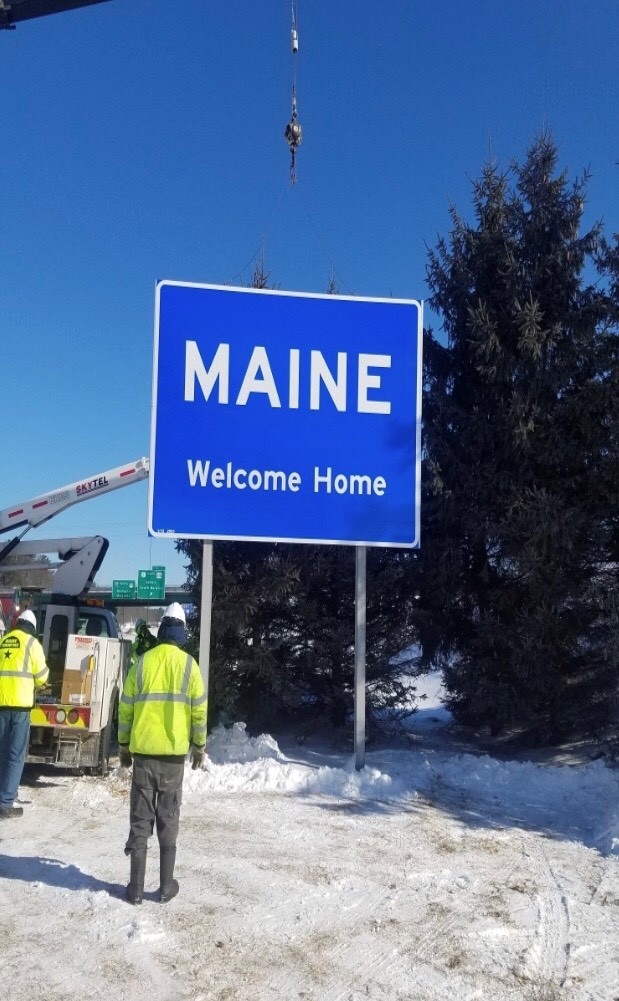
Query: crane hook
{"type": "Point", "coordinates": [294, 136]}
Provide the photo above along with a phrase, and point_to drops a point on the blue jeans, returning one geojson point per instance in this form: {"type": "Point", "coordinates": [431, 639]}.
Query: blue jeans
{"type": "Point", "coordinates": [14, 732]}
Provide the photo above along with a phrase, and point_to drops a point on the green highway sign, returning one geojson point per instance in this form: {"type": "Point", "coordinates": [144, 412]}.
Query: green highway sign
{"type": "Point", "coordinates": [151, 584]}
{"type": "Point", "coordinates": [123, 589]}
{"type": "Point", "coordinates": [158, 568]}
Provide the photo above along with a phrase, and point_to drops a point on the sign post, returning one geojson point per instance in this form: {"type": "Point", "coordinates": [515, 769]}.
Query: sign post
{"type": "Point", "coordinates": [286, 417]}
{"type": "Point", "coordinates": [206, 606]}
{"type": "Point", "coordinates": [360, 623]}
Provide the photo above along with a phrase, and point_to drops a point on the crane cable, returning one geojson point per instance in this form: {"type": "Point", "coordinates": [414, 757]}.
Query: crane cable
{"type": "Point", "coordinates": [294, 132]}
{"type": "Point", "coordinates": [294, 41]}
{"type": "Point", "coordinates": [265, 237]}
{"type": "Point", "coordinates": [293, 136]}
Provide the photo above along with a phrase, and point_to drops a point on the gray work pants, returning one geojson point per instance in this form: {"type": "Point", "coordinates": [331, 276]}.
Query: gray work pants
{"type": "Point", "coordinates": [156, 795]}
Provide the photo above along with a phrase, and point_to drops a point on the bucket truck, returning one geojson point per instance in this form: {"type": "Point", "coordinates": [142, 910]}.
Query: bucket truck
{"type": "Point", "coordinates": [71, 722]}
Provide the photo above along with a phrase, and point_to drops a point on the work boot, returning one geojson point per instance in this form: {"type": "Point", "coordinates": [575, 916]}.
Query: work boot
{"type": "Point", "coordinates": [135, 888]}
{"type": "Point", "coordinates": [11, 811]}
{"type": "Point", "coordinates": [168, 887]}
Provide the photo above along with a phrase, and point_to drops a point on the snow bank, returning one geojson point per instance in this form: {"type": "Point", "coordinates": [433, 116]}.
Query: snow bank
{"type": "Point", "coordinates": [579, 803]}
{"type": "Point", "coordinates": [238, 762]}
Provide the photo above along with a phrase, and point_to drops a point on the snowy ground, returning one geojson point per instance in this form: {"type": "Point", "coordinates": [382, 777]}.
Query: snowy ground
{"type": "Point", "coordinates": [431, 875]}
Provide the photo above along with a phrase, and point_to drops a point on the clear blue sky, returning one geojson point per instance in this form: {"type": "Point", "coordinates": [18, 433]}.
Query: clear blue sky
{"type": "Point", "coordinates": [143, 139]}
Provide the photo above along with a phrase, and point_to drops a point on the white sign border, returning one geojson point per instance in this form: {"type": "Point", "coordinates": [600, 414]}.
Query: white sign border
{"type": "Point", "coordinates": [171, 534]}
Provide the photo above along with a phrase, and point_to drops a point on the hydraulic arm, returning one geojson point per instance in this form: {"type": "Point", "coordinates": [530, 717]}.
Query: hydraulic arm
{"type": "Point", "coordinates": [12, 11]}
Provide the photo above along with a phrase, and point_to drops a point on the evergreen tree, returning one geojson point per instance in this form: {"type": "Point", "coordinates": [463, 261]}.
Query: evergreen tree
{"type": "Point", "coordinates": [261, 278]}
{"type": "Point", "coordinates": [608, 266]}
{"type": "Point", "coordinates": [521, 488]}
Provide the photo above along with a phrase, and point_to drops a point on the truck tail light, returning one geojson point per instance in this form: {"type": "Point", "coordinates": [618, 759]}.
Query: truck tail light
{"type": "Point", "coordinates": [44, 714]}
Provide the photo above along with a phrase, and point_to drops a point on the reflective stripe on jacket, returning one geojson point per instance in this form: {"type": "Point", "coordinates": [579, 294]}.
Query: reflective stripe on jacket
{"type": "Point", "coordinates": [22, 666]}
{"type": "Point", "coordinates": [162, 709]}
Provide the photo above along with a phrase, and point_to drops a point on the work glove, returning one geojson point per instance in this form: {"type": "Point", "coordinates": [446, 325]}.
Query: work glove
{"type": "Point", "coordinates": [125, 757]}
{"type": "Point", "coordinates": [197, 755]}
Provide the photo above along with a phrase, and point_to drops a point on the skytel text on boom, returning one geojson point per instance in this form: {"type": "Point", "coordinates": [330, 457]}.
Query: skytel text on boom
{"type": "Point", "coordinates": [90, 485]}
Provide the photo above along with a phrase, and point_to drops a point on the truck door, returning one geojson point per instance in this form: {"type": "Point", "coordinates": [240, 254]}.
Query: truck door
{"type": "Point", "coordinates": [57, 624]}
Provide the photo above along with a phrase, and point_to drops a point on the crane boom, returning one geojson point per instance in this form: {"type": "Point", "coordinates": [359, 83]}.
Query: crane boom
{"type": "Point", "coordinates": [12, 11]}
{"type": "Point", "coordinates": [40, 509]}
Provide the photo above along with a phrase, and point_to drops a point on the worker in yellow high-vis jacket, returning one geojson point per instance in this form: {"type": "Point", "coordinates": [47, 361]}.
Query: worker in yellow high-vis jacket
{"type": "Point", "coordinates": [22, 669]}
{"type": "Point", "coordinates": [161, 717]}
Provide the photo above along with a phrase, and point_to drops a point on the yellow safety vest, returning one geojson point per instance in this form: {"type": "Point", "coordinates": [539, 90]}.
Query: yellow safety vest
{"type": "Point", "coordinates": [162, 709]}
{"type": "Point", "coordinates": [22, 666]}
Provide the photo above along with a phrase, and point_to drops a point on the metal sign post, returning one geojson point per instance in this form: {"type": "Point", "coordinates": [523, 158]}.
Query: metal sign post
{"type": "Point", "coordinates": [206, 606]}
{"type": "Point", "coordinates": [360, 617]}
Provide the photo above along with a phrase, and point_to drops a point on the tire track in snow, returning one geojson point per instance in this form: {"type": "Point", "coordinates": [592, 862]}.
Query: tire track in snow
{"type": "Point", "coordinates": [380, 961]}
{"type": "Point", "coordinates": [573, 962]}
{"type": "Point", "coordinates": [546, 959]}
{"type": "Point", "coordinates": [377, 963]}
{"type": "Point", "coordinates": [594, 961]}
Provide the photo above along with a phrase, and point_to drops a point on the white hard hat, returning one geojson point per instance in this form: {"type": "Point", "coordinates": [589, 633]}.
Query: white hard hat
{"type": "Point", "coordinates": [28, 616]}
{"type": "Point", "coordinates": [175, 611]}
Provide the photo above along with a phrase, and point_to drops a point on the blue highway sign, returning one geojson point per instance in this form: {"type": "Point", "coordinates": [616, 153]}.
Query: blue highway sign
{"type": "Point", "coordinates": [285, 416]}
